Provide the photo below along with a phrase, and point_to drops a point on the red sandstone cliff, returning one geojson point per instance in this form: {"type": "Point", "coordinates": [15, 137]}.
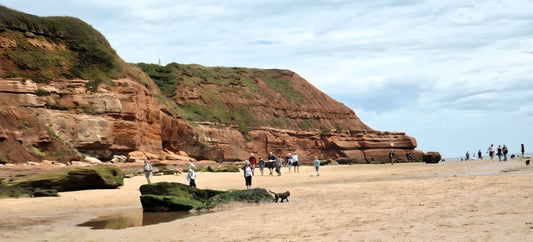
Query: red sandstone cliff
{"type": "Point", "coordinates": [54, 104]}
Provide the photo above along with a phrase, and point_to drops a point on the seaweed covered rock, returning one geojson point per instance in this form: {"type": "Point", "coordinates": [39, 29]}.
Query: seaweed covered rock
{"type": "Point", "coordinates": [172, 196]}
{"type": "Point", "coordinates": [431, 157]}
{"type": "Point", "coordinates": [48, 184]}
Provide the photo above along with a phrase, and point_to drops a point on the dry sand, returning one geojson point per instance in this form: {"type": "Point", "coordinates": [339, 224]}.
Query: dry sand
{"type": "Point", "coordinates": [451, 201]}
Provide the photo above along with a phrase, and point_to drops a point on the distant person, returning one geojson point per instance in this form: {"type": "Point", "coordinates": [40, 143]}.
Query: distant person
{"type": "Point", "coordinates": [295, 163]}
{"type": "Point", "coordinates": [247, 174]}
{"type": "Point", "coordinates": [271, 161]}
{"type": "Point", "coordinates": [408, 156]}
{"type": "Point", "coordinates": [253, 162]}
{"type": "Point", "coordinates": [261, 165]}
{"type": "Point", "coordinates": [317, 165]}
{"type": "Point", "coordinates": [499, 153]}
{"type": "Point", "coordinates": [278, 165]}
{"type": "Point", "coordinates": [288, 158]}
{"type": "Point", "coordinates": [148, 171]}
{"type": "Point", "coordinates": [505, 151]}
{"type": "Point", "coordinates": [490, 151]}
{"type": "Point", "coordinates": [391, 157]}
{"type": "Point", "coordinates": [479, 155]}
{"type": "Point", "coordinates": [191, 175]}
{"type": "Point", "coordinates": [523, 151]}
{"type": "Point", "coordinates": [372, 157]}
{"type": "Point", "coordinates": [467, 155]}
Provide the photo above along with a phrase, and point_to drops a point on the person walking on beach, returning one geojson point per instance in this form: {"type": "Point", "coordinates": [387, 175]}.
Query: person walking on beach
{"type": "Point", "coordinates": [467, 155]}
{"type": "Point", "coordinates": [391, 157]}
{"type": "Point", "coordinates": [505, 151]}
{"type": "Point", "coordinates": [288, 158]}
{"type": "Point", "coordinates": [490, 151]}
{"type": "Point", "coordinates": [295, 163]}
{"type": "Point", "coordinates": [278, 165]}
{"type": "Point", "coordinates": [523, 151]}
{"type": "Point", "coordinates": [253, 162]}
{"type": "Point", "coordinates": [247, 174]}
{"type": "Point", "coordinates": [261, 165]}
{"type": "Point", "coordinates": [479, 155]}
{"type": "Point", "coordinates": [191, 175]}
{"type": "Point", "coordinates": [271, 160]}
{"type": "Point", "coordinates": [317, 165]}
{"type": "Point", "coordinates": [499, 154]}
{"type": "Point", "coordinates": [148, 171]}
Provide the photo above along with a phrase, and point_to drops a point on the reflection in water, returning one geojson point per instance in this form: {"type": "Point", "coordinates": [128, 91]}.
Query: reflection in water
{"type": "Point", "coordinates": [133, 217]}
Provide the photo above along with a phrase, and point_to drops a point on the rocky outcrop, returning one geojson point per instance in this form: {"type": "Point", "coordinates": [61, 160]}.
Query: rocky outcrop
{"type": "Point", "coordinates": [431, 157]}
{"type": "Point", "coordinates": [171, 196]}
{"type": "Point", "coordinates": [98, 177]}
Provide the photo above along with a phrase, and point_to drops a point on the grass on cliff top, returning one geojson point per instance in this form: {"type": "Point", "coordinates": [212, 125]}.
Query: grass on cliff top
{"type": "Point", "coordinates": [236, 80]}
{"type": "Point", "coordinates": [88, 55]}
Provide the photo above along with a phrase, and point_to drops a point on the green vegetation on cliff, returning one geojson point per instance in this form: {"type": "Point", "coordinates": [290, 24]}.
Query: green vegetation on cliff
{"type": "Point", "coordinates": [45, 48]}
{"type": "Point", "coordinates": [214, 85]}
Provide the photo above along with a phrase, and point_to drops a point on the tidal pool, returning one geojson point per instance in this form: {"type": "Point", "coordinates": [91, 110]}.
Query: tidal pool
{"type": "Point", "coordinates": [133, 217]}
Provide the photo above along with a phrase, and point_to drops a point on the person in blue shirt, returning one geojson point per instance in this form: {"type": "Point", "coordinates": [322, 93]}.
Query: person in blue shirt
{"type": "Point", "coordinates": [147, 171]}
{"type": "Point", "coordinates": [317, 165]}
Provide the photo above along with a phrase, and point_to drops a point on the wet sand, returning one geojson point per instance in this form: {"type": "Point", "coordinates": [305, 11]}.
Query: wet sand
{"type": "Point", "coordinates": [478, 200]}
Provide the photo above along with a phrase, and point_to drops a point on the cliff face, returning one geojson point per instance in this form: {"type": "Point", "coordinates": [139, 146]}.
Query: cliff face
{"type": "Point", "coordinates": [57, 100]}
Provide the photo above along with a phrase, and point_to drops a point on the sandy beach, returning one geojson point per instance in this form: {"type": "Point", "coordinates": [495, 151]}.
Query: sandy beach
{"type": "Point", "coordinates": [478, 200]}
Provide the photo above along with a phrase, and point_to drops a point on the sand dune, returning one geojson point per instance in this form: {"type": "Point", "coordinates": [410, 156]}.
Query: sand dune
{"type": "Point", "coordinates": [452, 201]}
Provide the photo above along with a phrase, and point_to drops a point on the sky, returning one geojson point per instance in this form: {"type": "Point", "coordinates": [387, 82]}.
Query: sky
{"type": "Point", "coordinates": [455, 74]}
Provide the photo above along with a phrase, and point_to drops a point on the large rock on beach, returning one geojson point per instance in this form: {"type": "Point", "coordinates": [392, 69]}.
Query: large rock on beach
{"type": "Point", "coordinates": [432, 157]}
{"type": "Point", "coordinates": [171, 196]}
{"type": "Point", "coordinates": [97, 177]}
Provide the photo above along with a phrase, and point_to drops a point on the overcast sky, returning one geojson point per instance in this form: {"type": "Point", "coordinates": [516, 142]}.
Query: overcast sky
{"type": "Point", "coordinates": [457, 75]}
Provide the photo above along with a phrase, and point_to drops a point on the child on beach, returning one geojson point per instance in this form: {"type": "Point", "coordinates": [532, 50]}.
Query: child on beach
{"type": "Point", "coordinates": [261, 165]}
{"type": "Point", "coordinates": [191, 175]}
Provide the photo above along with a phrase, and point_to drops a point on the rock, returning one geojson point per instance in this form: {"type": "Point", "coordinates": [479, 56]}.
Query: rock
{"type": "Point", "coordinates": [165, 196]}
{"type": "Point", "coordinates": [47, 162]}
{"type": "Point", "coordinates": [431, 157]}
{"type": "Point", "coordinates": [182, 153]}
{"type": "Point", "coordinates": [79, 164]}
{"type": "Point", "coordinates": [92, 160]}
{"type": "Point", "coordinates": [119, 159]}
{"type": "Point", "coordinates": [137, 156]}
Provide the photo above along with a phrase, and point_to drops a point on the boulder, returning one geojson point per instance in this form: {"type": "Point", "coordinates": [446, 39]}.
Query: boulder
{"type": "Point", "coordinates": [167, 196]}
{"type": "Point", "coordinates": [431, 157]}
{"type": "Point", "coordinates": [98, 177]}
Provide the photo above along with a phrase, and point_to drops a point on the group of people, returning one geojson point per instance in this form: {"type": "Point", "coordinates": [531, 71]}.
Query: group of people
{"type": "Point", "coordinates": [501, 152]}
{"type": "Point", "coordinates": [273, 163]}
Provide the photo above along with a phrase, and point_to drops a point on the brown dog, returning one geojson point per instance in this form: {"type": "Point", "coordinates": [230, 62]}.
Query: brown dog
{"type": "Point", "coordinates": [283, 196]}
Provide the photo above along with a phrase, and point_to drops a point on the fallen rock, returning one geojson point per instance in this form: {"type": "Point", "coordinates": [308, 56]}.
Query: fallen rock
{"type": "Point", "coordinates": [98, 177]}
{"type": "Point", "coordinates": [431, 157]}
{"type": "Point", "coordinates": [167, 196]}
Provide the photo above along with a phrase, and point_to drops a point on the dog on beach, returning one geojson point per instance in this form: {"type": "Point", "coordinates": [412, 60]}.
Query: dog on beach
{"type": "Point", "coordinates": [282, 196]}
{"type": "Point", "coordinates": [527, 162]}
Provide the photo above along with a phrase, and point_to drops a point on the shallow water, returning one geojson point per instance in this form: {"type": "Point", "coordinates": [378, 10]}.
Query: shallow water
{"type": "Point", "coordinates": [133, 217]}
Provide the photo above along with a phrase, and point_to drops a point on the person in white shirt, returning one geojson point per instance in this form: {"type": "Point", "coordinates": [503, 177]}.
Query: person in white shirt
{"type": "Point", "coordinates": [191, 175]}
{"type": "Point", "coordinates": [295, 163]}
{"type": "Point", "coordinates": [247, 174]}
